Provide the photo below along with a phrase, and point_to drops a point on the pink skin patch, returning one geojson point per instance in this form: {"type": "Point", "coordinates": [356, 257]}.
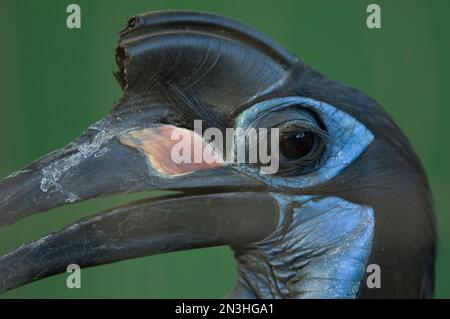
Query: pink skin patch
{"type": "Point", "coordinates": [161, 145]}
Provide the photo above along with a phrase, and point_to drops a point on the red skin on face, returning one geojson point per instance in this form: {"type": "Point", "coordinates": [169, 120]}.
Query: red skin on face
{"type": "Point", "coordinates": [157, 144]}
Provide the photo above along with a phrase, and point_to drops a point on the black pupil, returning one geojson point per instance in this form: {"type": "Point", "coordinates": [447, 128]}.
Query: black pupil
{"type": "Point", "coordinates": [298, 145]}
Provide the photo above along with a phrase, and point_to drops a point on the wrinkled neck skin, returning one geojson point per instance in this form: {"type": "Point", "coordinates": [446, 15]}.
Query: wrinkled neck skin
{"type": "Point", "coordinates": [319, 250]}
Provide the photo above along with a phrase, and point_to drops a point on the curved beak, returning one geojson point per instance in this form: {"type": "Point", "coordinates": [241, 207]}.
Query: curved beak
{"type": "Point", "coordinates": [126, 153]}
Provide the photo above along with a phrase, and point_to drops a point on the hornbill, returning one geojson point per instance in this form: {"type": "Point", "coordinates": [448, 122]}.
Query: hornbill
{"type": "Point", "coordinates": [350, 191]}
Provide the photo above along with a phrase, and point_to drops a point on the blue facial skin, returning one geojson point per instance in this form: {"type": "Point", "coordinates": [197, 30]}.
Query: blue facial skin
{"type": "Point", "coordinates": [348, 139]}
{"type": "Point", "coordinates": [319, 250]}
{"type": "Point", "coordinates": [321, 246]}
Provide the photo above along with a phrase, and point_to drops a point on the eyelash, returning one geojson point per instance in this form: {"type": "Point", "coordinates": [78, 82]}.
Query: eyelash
{"type": "Point", "coordinates": [297, 125]}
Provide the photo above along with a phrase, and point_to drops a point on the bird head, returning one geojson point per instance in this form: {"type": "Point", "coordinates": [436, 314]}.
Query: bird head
{"type": "Point", "coordinates": [347, 192]}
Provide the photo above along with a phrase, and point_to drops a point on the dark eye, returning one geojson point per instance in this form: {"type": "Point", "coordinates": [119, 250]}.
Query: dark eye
{"type": "Point", "coordinates": [302, 146]}
{"type": "Point", "coordinates": [298, 145]}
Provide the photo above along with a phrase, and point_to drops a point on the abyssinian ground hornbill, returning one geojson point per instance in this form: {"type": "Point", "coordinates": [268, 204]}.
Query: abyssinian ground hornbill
{"type": "Point", "coordinates": [349, 190]}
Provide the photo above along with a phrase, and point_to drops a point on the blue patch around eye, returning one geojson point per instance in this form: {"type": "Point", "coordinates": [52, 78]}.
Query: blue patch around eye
{"type": "Point", "coordinates": [348, 139]}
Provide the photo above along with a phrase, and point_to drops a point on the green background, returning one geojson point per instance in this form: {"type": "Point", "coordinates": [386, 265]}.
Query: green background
{"type": "Point", "coordinates": [54, 82]}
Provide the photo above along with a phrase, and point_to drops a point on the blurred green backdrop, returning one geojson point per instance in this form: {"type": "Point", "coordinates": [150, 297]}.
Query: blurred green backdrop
{"type": "Point", "coordinates": [54, 82]}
